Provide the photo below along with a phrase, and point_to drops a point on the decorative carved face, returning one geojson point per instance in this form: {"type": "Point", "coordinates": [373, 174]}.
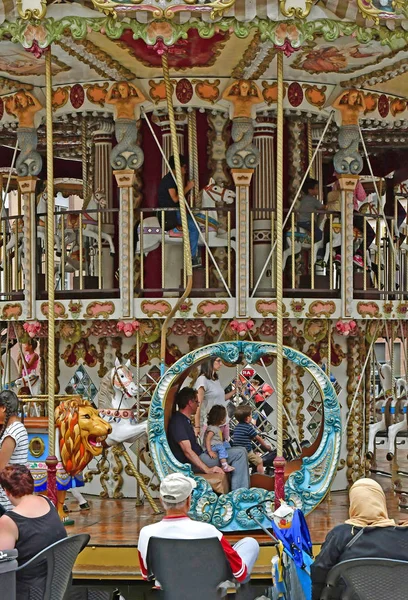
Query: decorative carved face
{"type": "Point", "coordinates": [352, 98]}
{"type": "Point", "coordinates": [82, 433]}
{"type": "Point", "coordinates": [244, 88]}
{"type": "Point", "coordinates": [123, 90]}
{"type": "Point", "coordinates": [22, 99]}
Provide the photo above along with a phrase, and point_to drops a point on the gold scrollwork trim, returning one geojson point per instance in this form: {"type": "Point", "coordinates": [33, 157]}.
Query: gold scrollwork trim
{"type": "Point", "coordinates": [219, 7]}
{"type": "Point", "coordinates": [296, 11]}
{"type": "Point", "coordinates": [36, 447]}
{"type": "Point", "coordinates": [374, 13]}
{"type": "Point", "coordinates": [30, 15]}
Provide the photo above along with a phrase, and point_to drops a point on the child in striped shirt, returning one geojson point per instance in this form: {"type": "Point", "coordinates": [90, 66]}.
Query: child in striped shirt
{"type": "Point", "coordinates": [245, 433]}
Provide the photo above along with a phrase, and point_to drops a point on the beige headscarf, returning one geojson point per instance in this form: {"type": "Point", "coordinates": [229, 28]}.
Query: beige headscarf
{"type": "Point", "coordinates": [368, 506]}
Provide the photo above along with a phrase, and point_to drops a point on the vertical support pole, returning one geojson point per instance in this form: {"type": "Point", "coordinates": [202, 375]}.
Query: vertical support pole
{"type": "Point", "coordinates": [347, 186]}
{"type": "Point", "coordinates": [51, 461]}
{"type": "Point", "coordinates": [102, 147]}
{"type": "Point", "coordinates": [279, 462]}
{"type": "Point", "coordinates": [27, 189]}
{"type": "Point", "coordinates": [242, 180]}
{"type": "Point", "coordinates": [125, 179]}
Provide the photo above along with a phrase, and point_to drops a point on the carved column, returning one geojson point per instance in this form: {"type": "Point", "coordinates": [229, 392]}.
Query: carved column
{"type": "Point", "coordinates": [217, 147]}
{"type": "Point", "coordinates": [347, 186]}
{"type": "Point", "coordinates": [28, 205]}
{"type": "Point", "coordinates": [163, 121]}
{"type": "Point", "coordinates": [216, 151]}
{"type": "Point", "coordinates": [242, 179]}
{"type": "Point", "coordinates": [297, 155]}
{"type": "Point", "coordinates": [125, 179]}
{"type": "Point", "coordinates": [263, 197]}
{"type": "Point", "coordinates": [102, 139]}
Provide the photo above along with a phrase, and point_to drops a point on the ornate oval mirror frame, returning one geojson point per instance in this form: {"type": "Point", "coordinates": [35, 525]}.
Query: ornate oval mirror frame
{"type": "Point", "coordinates": [305, 488]}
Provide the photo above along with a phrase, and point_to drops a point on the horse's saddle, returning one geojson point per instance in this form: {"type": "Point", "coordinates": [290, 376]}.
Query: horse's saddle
{"type": "Point", "coordinates": [300, 236]}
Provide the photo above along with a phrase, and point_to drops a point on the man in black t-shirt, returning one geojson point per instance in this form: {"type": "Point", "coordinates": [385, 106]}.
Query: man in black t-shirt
{"type": "Point", "coordinates": [186, 448]}
{"type": "Point", "coordinates": [169, 198]}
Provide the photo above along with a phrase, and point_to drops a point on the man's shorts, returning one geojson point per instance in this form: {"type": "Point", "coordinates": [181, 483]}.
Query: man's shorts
{"type": "Point", "coordinates": [254, 458]}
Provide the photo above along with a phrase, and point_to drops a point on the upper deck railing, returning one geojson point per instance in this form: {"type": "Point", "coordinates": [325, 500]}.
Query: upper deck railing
{"type": "Point", "coordinates": [87, 257]}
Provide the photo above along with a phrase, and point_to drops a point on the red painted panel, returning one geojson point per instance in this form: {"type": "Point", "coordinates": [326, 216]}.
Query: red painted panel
{"type": "Point", "coordinates": [192, 52]}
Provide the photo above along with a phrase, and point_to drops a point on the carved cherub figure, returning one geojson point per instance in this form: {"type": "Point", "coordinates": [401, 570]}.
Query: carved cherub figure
{"type": "Point", "coordinates": [351, 104]}
{"type": "Point", "coordinates": [125, 97]}
{"type": "Point", "coordinates": [243, 95]}
{"type": "Point", "coordinates": [25, 106]}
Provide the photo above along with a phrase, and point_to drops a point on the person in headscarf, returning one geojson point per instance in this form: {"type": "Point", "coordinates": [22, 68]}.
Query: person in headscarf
{"type": "Point", "coordinates": [368, 533]}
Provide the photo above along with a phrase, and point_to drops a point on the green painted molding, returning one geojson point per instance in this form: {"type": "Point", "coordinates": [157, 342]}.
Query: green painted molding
{"type": "Point", "coordinates": [297, 32]}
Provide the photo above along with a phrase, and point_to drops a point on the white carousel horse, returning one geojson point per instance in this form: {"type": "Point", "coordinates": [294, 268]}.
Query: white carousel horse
{"type": "Point", "coordinates": [16, 226]}
{"type": "Point", "coordinates": [89, 223]}
{"type": "Point", "coordinates": [31, 381]}
{"type": "Point", "coordinates": [399, 407]}
{"type": "Point", "coordinates": [366, 207]}
{"type": "Point", "coordinates": [115, 400]}
{"type": "Point", "coordinates": [382, 425]}
{"type": "Point", "coordinates": [212, 196]}
{"type": "Point", "coordinates": [302, 242]}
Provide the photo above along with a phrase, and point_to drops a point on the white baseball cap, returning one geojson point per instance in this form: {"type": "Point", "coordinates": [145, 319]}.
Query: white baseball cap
{"type": "Point", "coordinates": [176, 487]}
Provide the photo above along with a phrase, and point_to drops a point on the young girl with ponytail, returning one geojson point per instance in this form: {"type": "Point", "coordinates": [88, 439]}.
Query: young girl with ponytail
{"type": "Point", "coordinates": [13, 439]}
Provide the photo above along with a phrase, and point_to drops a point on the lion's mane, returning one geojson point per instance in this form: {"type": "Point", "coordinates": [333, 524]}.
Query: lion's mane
{"type": "Point", "coordinates": [74, 455]}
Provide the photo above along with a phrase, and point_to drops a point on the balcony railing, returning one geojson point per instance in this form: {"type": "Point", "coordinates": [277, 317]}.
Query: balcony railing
{"type": "Point", "coordinates": [87, 250]}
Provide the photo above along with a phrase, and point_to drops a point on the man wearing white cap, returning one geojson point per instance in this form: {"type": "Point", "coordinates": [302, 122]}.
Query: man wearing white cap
{"type": "Point", "coordinates": [175, 495]}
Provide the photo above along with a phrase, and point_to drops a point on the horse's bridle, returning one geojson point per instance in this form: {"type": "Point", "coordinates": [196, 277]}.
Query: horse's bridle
{"type": "Point", "coordinates": [220, 196]}
{"type": "Point", "coordinates": [124, 392]}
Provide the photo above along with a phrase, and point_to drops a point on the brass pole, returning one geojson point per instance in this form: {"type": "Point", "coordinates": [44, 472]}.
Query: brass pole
{"type": "Point", "coordinates": [188, 267]}
{"type": "Point", "coordinates": [51, 459]}
{"type": "Point", "coordinates": [310, 148]}
{"type": "Point", "coordinates": [279, 461]}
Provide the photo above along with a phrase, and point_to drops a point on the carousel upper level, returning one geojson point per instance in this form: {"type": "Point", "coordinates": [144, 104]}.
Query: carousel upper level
{"type": "Point", "coordinates": [112, 253]}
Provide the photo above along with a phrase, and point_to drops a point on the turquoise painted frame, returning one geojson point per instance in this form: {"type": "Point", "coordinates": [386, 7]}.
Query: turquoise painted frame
{"type": "Point", "coordinates": [305, 488]}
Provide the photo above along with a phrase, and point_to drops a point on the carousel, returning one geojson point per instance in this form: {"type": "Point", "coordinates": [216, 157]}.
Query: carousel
{"type": "Point", "coordinates": [112, 300]}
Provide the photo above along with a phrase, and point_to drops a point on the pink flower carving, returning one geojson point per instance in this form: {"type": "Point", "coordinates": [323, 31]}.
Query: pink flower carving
{"type": "Point", "coordinates": [33, 328]}
{"type": "Point", "coordinates": [128, 327]}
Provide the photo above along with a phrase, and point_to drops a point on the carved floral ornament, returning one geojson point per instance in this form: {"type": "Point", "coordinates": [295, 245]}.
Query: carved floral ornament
{"type": "Point", "coordinates": [51, 30]}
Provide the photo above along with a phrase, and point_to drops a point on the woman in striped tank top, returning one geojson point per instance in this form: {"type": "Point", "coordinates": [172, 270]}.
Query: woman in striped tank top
{"type": "Point", "coordinates": [13, 439]}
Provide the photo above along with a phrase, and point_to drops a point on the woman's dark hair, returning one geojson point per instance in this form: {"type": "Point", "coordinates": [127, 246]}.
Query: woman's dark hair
{"type": "Point", "coordinates": [10, 401]}
{"type": "Point", "coordinates": [17, 480]}
{"type": "Point", "coordinates": [32, 343]}
{"type": "Point", "coordinates": [216, 415]}
{"type": "Point", "coordinates": [207, 368]}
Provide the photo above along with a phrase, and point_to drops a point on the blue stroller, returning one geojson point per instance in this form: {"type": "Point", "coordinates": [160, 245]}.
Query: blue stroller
{"type": "Point", "coordinates": [291, 566]}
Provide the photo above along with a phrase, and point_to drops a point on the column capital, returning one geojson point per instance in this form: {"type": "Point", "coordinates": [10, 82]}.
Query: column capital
{"type": "Point", "coordinates": [125, 178]}
{"type": "Point", "coordinates": [242, 177]}
{"type": "Point", "coordinates": [264, 126]}
{"type": "Point", "coordinates": [103, 128]}
{"type": "Point", "coordinates": [162, 120]}
{"type": "Point", "coordinates": [348, 182]}
{"type": "Point", "coordinates": [27, 184]}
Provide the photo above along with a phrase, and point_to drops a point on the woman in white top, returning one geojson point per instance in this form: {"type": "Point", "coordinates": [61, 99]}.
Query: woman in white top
{"type": "Point", "coordinates": [210, 393]}
{"type": "Point", "coordinates": [13, 439]}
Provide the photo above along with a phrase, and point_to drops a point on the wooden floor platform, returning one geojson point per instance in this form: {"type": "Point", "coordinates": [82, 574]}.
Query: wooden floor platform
{"type": "Point", "coordinates": [114, 527]}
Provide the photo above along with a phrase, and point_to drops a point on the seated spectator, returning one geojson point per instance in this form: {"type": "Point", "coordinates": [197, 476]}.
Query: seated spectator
{"type": "Point", "coordinates": [30, 527]}
{"type": "Point", "coordinates": [13, 439]}
{"type": "Point", "coordinates": [368, 533]}
{"type": "Point", "coordinates": [175, 495]}
{"type": "Point", "coordinates": [245, 433]}
{"type": "Point", "coordinates": [186, 448]}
